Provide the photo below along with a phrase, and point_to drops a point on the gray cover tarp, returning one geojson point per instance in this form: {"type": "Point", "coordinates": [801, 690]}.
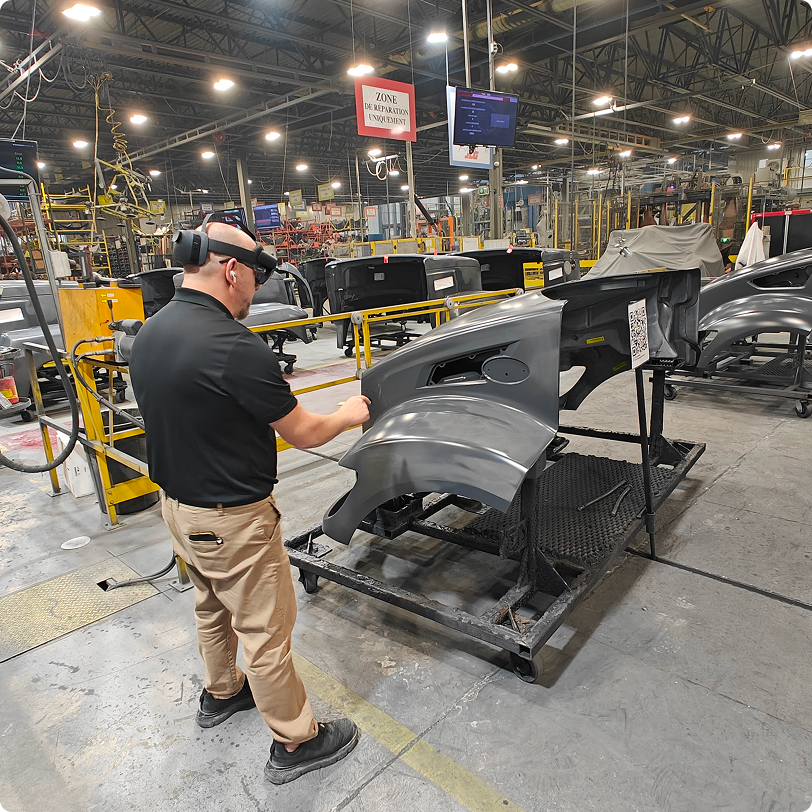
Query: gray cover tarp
{"type": "Point", "coordinates": [676, 248]}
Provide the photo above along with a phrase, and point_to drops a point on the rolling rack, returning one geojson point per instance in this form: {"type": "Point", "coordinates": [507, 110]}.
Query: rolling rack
{"type": "Point", "coordinates": [572, 517]}
{"type": "Point", "coordinates": [756, 368]}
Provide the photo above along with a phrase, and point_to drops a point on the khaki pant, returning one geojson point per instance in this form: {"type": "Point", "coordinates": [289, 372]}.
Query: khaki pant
{"type": "Point", "coordinates": [244, 592]}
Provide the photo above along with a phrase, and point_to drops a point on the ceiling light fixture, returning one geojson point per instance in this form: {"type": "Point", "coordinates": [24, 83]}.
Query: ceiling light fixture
{"type": "Point", "coordinates": [249, 180]}
{"type": "Point", "coordinates": [562, 141]}
{"type": "Point", "coordinates": [682, 119]}
{"type": "Point", "coordinates": [521, 182]}
{"type": "Point", "coordinates": [593, 171]}
{"type": "Point", "coordinates": [405, 187]}
{"type": "Point", "coordinates": [138, 118]}
{"type": "Point", "coordinates": [113, 186]}
{"type": "Point", "coordinates": [799, 54]}
{"type": "Point", "coordinates": [672, 160]}
{"type": "Point", "coordinates": [361, 70]}
{"type": "Point", "coordinates": [40, 165]}
{"type": "Point", "coordinates": [80, 144]}
{"type": "Point", "coordinates": [463, 177]}
{"type": "Point", "coordinates": [627, 153]}
{"type": "Point", "coordinates": [336, 184]}
{"type": "Point", "coordinates": [535, 167]}
{"type": "Point", "coordinates": [465, 190]}
{"type": "Point", "coordinates": [773, 146]}
{"type": "Point", "coordinates": [223, 84]}
{"type": "Point", "coordinates": [207, 155]}
{"type": "Point", "coordinates": [154, 172]}
{"type": "Point", "coordinates": [286, 194]}
{"type": "Point", "coordinates": [205, 191]}
{"type": "Point", "coordinates": [81, 12]}
{"type": "Point", "coordinates": [272, 135]}
{"type": "Point", "coordinates": [394, 173]}
{"type": "Point", "coordinates": [509, 67]}
{"type": "Point", "coordinates": [437, 37]}
{"type": "Point", "coordinates": [374, 152]}
{"type": "Point", "coordinates": [602, 101]}
{"type": "Point", "coordinates": [301, 167]}
{"type": "Point", "coordinates": [734, 136]}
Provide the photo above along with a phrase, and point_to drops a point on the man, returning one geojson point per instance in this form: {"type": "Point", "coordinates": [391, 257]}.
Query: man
{"type": "Point", "coordinates": [212, 395]}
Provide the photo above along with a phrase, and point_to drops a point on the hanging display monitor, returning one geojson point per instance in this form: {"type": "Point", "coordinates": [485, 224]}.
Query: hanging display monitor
{"type": "Point", "coordinates": [18, 156]}
{"type": "Point", "coordinates": [485, 118]}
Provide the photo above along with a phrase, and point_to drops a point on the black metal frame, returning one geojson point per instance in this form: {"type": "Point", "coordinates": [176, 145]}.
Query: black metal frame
{"type": "Point", "coordinates": [738, 373]}
{"type": "Point", "coordinates": [566, 582]}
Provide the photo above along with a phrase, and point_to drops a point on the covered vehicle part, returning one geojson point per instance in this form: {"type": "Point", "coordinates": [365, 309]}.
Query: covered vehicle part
{"type": "Point", "coordinates": [773, 296]}
{"type": "Point", "coordinates": [313, 272]}
{"type": "Point", "coordinates": [386, 281]}
{"type": "Point", "coordinates": [505, 268]}
{"type": "Point", "coordinates": [470, 407]}
{"type": "Point", "coordinates": [670, 247]}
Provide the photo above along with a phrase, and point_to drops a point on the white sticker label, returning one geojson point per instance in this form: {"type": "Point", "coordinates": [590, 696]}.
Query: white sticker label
{"type": "Point", "coordinates": [638, 332]}
{"type": "Point", "coordinates": [557, 273]}
{"type": "Point", "coordinates": [379, 277]}
{"type": "Point", "coordinates": [445, 282]}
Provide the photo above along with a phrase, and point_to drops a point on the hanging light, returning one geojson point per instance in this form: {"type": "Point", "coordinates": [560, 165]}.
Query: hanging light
{"type": "Point", "coordinates": [223, 84]}
{"type": "Point", "coordinates": [301, 167]}
{"type": "Point", "coordinates": [40, 165]}
{"type": "Point", "coordinates": [80, 144]}
{"type": "Point", "coordinates": [561, 141]}
{"type": "Point", "coordinates": [394, 173]}
{"type": "Point", "coordinates": [602, 101]}
{"type": "Point", "coordinates": [81, 12]}
{"type": "Point", "coordinates": [734, 136]}
{"type": "Point", "coordinates": [773, 146]}
{"type": "Point", "coordinates": [336, 184]}
{"type": "Point", "coordinates": [404, 187]}
{"type": "Point", "coordinates": [627, 153]}
{"type": "Point", "coordinates": [361, 70]}
{"type": "Point", "coordinates": [272, 135]}
{"type": "Point", "coordinates": [436, 37]}
{"type": "Point", "coordinates": [509, 67]}
{"type": "Point", "coordinates": [154, 172]}
{"type": "Point", "coordinates": [374, 152]}
{"type": "Point", "coordinates": [138, 118]}
{"type": "Point", "coordinates": [207, 155]}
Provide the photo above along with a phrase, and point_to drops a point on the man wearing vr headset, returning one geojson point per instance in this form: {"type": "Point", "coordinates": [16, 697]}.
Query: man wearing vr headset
{"type": "Point", "coordinates": [211, 394]}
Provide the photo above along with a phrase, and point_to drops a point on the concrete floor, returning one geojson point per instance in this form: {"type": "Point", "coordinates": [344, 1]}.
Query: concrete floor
{"type": "Point", "coordinates": [665, 690]}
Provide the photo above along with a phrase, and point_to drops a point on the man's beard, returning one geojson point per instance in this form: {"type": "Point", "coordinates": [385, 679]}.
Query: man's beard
{"type": "Point", "coordinates": [243, 314]}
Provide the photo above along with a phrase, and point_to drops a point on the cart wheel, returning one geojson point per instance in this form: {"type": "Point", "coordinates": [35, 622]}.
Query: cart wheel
{"type": "Point", "coordinates": [121, 396]}
{"type": "Point", "coordinates": [309, 580]}
{"type": "Point", "coordinates": [803, 408]}
{"type": "Point", "coordinates": [349, 352]}
{"type": "Point", "coordinates": [525, 670]}
{"type": "Point", "coordinates": [289, 368]}
{"type": "Point", "coordinates": [670, 392]}
{"type": "Point", "coordinates": [28, 417]}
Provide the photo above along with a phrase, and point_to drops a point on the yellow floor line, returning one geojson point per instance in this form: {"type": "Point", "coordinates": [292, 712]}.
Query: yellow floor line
{"type": "Point", "coordinates": [463, 786]}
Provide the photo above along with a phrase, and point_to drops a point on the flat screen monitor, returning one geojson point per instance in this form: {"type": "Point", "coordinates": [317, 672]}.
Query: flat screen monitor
{"type": "Point", "coordinates": [267, 216]}
{"type": "Point", "coordinates": [18, 156]}
{"type": "Point", "coordinates": [485, 119]}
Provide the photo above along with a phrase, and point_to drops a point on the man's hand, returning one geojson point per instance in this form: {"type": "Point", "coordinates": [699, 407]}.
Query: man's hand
{"type": "Point", "coordinates": [355, 410]}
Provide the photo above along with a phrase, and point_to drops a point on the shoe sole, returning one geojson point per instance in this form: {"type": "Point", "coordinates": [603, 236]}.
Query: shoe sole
{"type": "Point", "coordinates": [214, 719]}
{"type": "Point", "coordinates": [286, 774]}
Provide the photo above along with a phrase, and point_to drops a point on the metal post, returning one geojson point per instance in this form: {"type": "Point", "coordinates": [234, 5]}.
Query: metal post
{"type": "Point", "coordinates": [712, 202]}
{"type": "Point", "coordinates": [644, 450]}
{"type": "Point", "coordinates": [555, 225]}
{"type": "Point", "coordinates": [411, 218]}
{"type": "Point", "coordinates": [358, 189]}
{"type": "Point", "coordinates": [132, 253]}
{"type": "Point", "coordinates": [465, 43]}
{"type": "Point", "coordinates": [600, 217]}
{"type": "Point", "coordinates": [749, 206]}
{"type": "Point", "coordinates": [494, 174]}
{"type": "Point", "coordinates": [629, 210]}
{"type": "Point", "coordinates": [245, 192]}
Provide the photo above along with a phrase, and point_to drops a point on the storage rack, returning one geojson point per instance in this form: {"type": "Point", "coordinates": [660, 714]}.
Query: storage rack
{"type": "Point", "coordinates": [72, 223]}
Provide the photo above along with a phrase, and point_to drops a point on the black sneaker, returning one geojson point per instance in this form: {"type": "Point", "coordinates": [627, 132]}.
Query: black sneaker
{"type": "Point", "coordinates": [333, 741]}
{"type": "Point", "coordinates": [213, 711]}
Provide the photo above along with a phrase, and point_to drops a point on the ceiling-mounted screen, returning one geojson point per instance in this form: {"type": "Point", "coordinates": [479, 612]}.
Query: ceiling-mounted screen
{"type": "Point", "coordinates": [18, 156]}
{"type": "Point", "coordinates": [484, 118]}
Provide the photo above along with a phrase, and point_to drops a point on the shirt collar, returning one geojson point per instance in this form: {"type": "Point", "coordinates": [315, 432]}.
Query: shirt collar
{"type": "Point", "coordinates": [198, 297]}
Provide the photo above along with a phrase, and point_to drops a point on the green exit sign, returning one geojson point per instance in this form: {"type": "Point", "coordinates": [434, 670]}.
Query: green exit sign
{"type": "Point", "coordinates": [482, 190]}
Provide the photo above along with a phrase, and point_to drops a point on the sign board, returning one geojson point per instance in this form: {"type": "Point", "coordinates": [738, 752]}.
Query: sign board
{"type": "Point", "coordinates": [370, 211]}
{"type": "Point", "coordinates": [483, 190]}
{"type": "Point", "coordinates": [385, 109]}
{"type": "Point", "coordinates": [315, 207]}
{"type": "Point", "coordinates": [157, 206]}
{"type": "Point", "coordinates": [334, 211]}
{"type": "Point", "coordinates": [481, 157]}
{"type": "Point", "coordinates": [295, 199]}
{"type": "Point", "coordinates": [326, 191]}
{"type": "Point", "coordinates": [638, 332]}
{"type": "Point", "coordinates": [534, 200]}
{"type": "Point", "coordinates": [207, 207]}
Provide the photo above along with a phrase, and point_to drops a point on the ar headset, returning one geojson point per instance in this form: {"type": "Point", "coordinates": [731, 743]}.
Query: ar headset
{"type": "Point", "coordinates": [193, 247]}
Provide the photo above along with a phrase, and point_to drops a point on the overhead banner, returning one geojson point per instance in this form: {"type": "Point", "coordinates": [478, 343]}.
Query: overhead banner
{"type": "Point", "coordinates": [326, 191]}
{"type": "Point", "coordinates": [481, 157]}
{"type": "Point", "coordinates": [295, 199]}
{"type": "Point", "coordinates": [385, 109]}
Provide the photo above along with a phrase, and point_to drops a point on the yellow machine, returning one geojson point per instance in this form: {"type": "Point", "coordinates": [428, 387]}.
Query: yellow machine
{"type": "Point", "coordinates": [87, 312]}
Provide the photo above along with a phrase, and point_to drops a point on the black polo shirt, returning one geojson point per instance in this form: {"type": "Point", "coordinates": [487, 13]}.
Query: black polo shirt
{"type": "Point", "coordinates": [207, 388]}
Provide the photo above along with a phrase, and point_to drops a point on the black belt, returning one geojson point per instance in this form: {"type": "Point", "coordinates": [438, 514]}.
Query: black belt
{"type": "Point", "coordinates": [218, 505]}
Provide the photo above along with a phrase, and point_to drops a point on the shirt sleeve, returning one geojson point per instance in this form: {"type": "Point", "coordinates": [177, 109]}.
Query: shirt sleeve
{"type": "Point", "coordinates": [253, 378]}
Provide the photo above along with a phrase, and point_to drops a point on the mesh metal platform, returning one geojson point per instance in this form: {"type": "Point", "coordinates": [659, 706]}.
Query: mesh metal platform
{"type": "Point", "coordinates": [583, 538]}
{"type": "Point", "coordinates": [781, 367]}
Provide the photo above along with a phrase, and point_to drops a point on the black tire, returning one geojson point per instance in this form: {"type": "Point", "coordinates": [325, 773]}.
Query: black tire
{"type": "Point", "coordinates": [803, 408]}
{"type": "Point", "coordinates": [525, 670]}
{"type": "Point", "coordinates": [120, 396]}
{"type": "Point", "coordinates": [349, 352]}
{"type": "Point", "coordinates": [289, 368]}
{"type": "Point", "coordinates": [670, 392]}
{"type": "Point", "coordinates": [27, 417]}
{"type": "Point", "coordinates": [309, 580]}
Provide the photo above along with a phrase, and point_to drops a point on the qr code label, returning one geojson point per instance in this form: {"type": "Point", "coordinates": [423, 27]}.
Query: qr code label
{"type": "Point", "coordinates": [638, 331]}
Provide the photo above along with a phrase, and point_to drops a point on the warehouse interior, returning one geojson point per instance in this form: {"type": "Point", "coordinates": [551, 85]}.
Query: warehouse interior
{"type": "Point", "coordinates": [564, 248]}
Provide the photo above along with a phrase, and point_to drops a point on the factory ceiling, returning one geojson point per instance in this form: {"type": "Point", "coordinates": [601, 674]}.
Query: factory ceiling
{"type": "Point", "coordinates": [733, 67]}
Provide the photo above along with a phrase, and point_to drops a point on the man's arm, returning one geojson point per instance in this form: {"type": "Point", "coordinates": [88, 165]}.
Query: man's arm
{"type": "Point", "coordinates": [303, 429]}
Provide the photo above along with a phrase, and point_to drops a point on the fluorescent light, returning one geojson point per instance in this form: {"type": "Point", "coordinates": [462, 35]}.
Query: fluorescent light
{"type": "Point", "coordinates": [562, 141]}
{"type": "Point", "coordinates": [336, 184]}
{"type": "Point", "coordinates": [602, 101]}
{"type": "Point", "coordinates": [394, 173]}
{"type": "Point", "coordinates": [286, 194]}
{"type": "Point", "coordinates": [510, 67]}
{"type": "Point", "coordinates": [361, 70]}
{"type": "Point", "coordinates": [81, 12]}
{"type": "Point", "coordinates": [249, 180]}
{"type": "Point", "coordinates": [796, 54]}
{"type": "Point", "coordinates": [154, 172]}
{"type": "Point", "coordinates": [465, 190]}
{"type": "Point", "coordinates": [405, 187]}
{"type": "Point", "coordinates": [40, 165]}
{"type": "Point", "coordinates": [374, 152]}
{"type": "Point", "coordinates": [223, 84]}
{"type": "Point", "coordinates": [534, 167]}
{"type": "Point", "coordinates": [437, 36]}
{"type": "Point", "coordinates": [682, 119]}
{"type": "Point", "coordinates": [672, 160]}
{"type": "Point", "coordinates": [808, 52]}
{"type": "Point", "coordinates": [463, 177]}
{"type": "Point", "coordinates": [301, 167]}
{"type": "Point", "coordinates": [205, 191]}
{"type": "Point", "coordinates": [627, 153]}
{"type": "Point", "coordinates": [593, 171]}
{"type": "Point", "coordinates": [138, 118]}
{"type": "Point", "coordinates": [272, 135]}
{"type": "Point", "coordinates": [207, 155]}
{"type": "Point", "coordinates": [521, 182]}
{"type": "Point", "coordinates": [80, 144]}
{"type": "Point", "coordinates": [773, 146]}
{"type": "Point", "coordinates": [734, 136]}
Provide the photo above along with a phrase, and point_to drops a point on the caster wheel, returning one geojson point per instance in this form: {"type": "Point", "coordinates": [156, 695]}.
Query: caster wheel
{"type": "Point", "coordinates": [803, 408]}
{"type": "Point", "coordinates": [349, 352]}
{"type": "Point", "coordinates": [525, 670]}
{"type": "Point", "coordinates": [120, 396]}
{"type": "Point", "coordinates": [670, 392]}
{"type": "Point", "coordinates": [288, 369]}
{"type": "Point", "coordinates": [309, 580]}
{"type": "Point", "coordinates": [27, 417]}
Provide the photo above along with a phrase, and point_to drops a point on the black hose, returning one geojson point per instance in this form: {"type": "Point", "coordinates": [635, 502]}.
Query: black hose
{"type": "Point", "coordinates": [75, 359]}
{"type": "Point", "coordinates": [49, 340]}
{"type": "Point", "coordinates": [143, 579]}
